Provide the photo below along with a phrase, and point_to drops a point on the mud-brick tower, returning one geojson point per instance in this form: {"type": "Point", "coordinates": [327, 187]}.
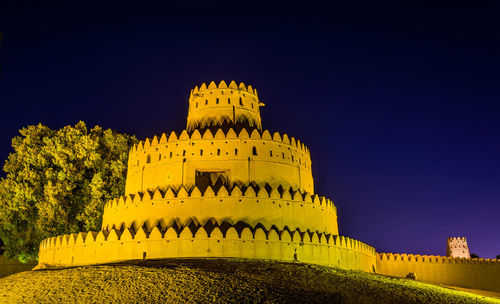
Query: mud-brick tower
{"type": "Point", "coordinates": [457, 248]}
{"type": "Point", "coordinates": [224, 187]}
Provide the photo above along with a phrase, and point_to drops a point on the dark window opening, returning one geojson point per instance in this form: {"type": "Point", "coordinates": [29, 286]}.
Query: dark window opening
{"type": "Point", "coordinates": [283, 155]}
{"type": "Point", "coordinates": [214, 179]}
{"type": "Point", "coordinates": [241, 101]}
{"type": "Point", "coordinates": [159, 157]}
{"type": "Point", "coordinates": [254, 151]}
{"type": "Point", "coordinates": [170, 154]}
{"type": "Point", "coordinates": [229, 100]}
{"type": "Point", "coordinates": [137, 163]}
{"type": "Point", "coordinates": [270, 153]}
{"type": "Point", "coordinates": [235, 151]}
{"type": "Point", "coordinates": [183, 152]}
{"type": "Point", "coordinates": [218, 151]}
{"type": "Point", "coordinates": [196, 104]}
{"type": "Point", "coordinates": [217, 100]}
{"type": "Point", "coordinates": [201, 152]}
{"type": "Point", "coordinates": [206, 101]}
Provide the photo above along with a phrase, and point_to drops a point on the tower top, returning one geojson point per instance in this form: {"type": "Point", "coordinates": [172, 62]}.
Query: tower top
{"type": "Point", "coordinates": [216, 105]}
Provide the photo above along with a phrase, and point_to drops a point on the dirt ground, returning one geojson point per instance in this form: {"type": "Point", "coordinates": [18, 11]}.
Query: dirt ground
{"type": "Point", "coordinates": [220, 281]}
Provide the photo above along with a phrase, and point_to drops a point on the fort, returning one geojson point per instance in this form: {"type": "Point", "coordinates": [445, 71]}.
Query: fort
{"type": "Point", "coordinates": [227, 188]}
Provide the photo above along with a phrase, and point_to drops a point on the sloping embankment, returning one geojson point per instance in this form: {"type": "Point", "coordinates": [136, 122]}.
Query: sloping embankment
{"type": "Point", "coordinates": [220, 281]}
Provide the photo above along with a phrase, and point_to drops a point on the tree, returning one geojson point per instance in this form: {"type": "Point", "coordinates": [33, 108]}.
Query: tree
{"type": "Point", "coordinates": [498, 257]}
{"type": "Point", "coordinates": [57, 182]}
{"type": "Point", "coordinates": [474, 256]}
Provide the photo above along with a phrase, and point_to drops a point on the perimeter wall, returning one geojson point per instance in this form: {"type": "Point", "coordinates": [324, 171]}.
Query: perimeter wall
{"type": "Point", "coordinates": [469, 273]}
{"type": "Point", "coordinates": [103, 247]}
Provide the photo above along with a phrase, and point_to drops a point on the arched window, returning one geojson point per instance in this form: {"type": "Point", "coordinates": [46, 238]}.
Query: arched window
{"type": "Point", "coordinates": [254, 150]}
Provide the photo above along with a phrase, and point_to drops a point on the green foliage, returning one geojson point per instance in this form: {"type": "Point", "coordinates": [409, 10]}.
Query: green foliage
{"type": "Point", "coordinates": [57, 182]}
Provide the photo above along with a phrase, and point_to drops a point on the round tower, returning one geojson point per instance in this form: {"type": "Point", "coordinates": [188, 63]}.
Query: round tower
{"type": "Point", "coordinates": [224, 187]}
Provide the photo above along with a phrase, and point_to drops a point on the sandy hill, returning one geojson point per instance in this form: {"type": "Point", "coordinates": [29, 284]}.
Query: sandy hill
{"type": "Point", "coordinates": [220, 281]}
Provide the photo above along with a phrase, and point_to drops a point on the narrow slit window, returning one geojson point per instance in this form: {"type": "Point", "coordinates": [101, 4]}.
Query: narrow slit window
{"type": "Point", "coordinates": [137, 163]}
{"type": "Point", "coordinates": [159, 157]}
{"type": "Point", "coordinates": [217, 100]}
{"type": "Point", "coordinates": [270, 153]}
{"type": "Point", "coordinates": [206, 101]}
{"type": "Point", "coordinates": [283, 155]}
{"type": "Point", "coordinates": [201, 152]}
{"type": "Point", "coordinates": [218, 151]}
{"type": "Point", "coordinates": [148, 159]}
{"type": "Point", "coordinates": [197, 104]}
{"type": "Point", "coordinates": [241, 101]}
{"type": "Point", "coordinates": [170, 154]}
{"type": "Point", "coordinates": [235, 151]}
{"type": "Point", "coordinates": [229, 100]}
{"type": "Point", "coordinates": [183, 152]}
{"type": "Point", "coordinates": [254, 150]}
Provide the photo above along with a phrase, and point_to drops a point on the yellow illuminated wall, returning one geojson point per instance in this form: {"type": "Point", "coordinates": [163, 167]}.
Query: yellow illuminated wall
{"type": "Point", "coordinates": [249, 242]}
{"type": "Point", "coordinates": [469, 273]}
{"type": "Point", "coordinates": [263, 159]}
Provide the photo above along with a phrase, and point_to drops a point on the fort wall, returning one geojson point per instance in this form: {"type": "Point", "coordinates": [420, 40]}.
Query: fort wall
{"type": "Point", "coordinates": [283, 210]}
{"type": "Point", "coordinates": [248, 243]}
{"type": "Point", "coordinates": [469, 273]}
{"type": "Point", "coordinates": [245, 158]}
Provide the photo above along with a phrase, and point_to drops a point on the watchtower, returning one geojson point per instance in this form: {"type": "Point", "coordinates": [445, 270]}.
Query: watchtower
{"type": "Point", "coordinates": [457, 248]}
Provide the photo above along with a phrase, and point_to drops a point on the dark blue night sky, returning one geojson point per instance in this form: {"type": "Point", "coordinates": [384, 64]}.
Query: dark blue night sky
{"type": "Point", "coordinates": [399, 104]}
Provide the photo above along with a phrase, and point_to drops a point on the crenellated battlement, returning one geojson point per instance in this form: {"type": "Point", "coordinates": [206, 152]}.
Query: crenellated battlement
{"type": "Point", "coordinates": [213, 105]}
{"type": "Point", "coordinates": [455, 271]}
{"type": "Point", "coordinates": [251, 191]}
{"type": "Point", "coordinates": [259, 157]}
{"type": "Point", "coordinates": [270, 207]}
{"type": "Point", "coordinates": [402, 257]}
{"type": "Point", "coordinates": [220, 135]}
{"type": "Point", "coordinates": [233, 241]}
